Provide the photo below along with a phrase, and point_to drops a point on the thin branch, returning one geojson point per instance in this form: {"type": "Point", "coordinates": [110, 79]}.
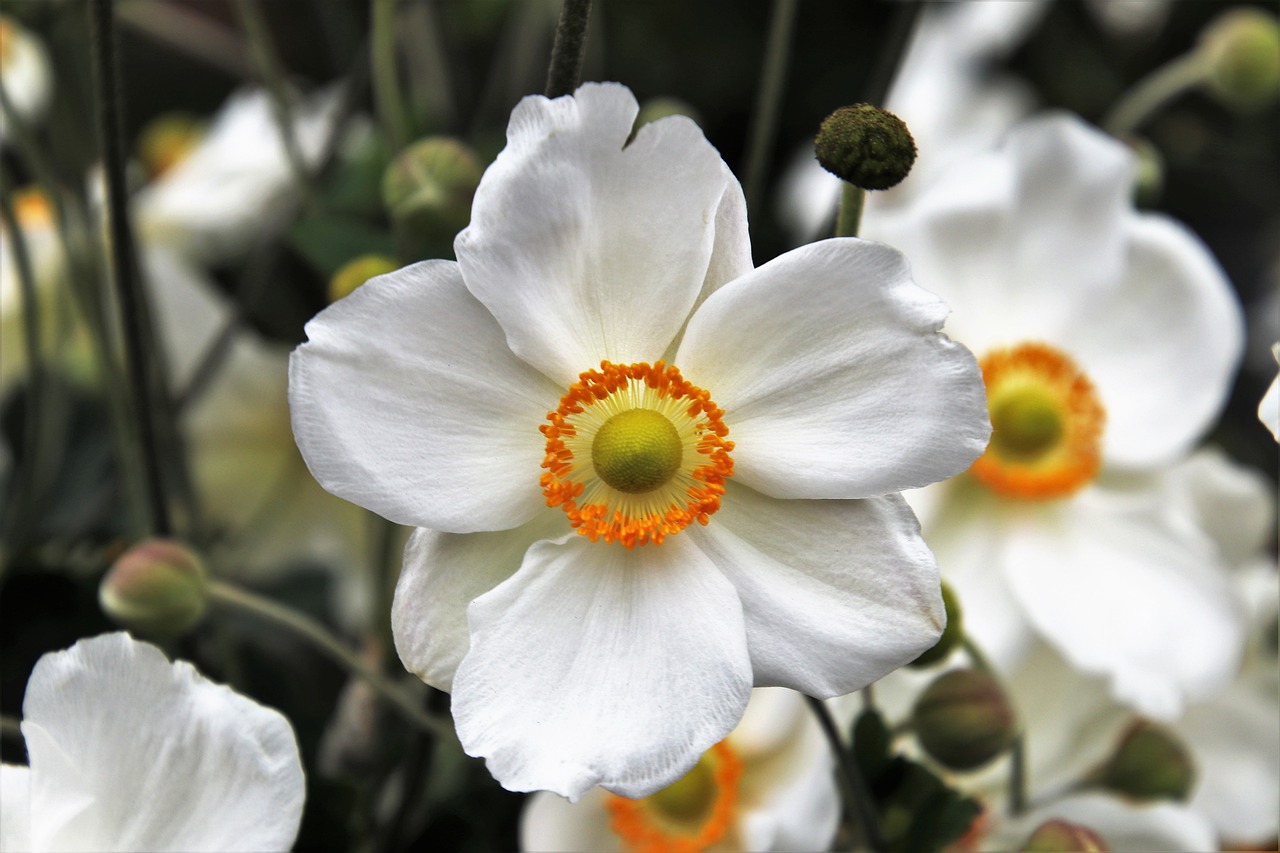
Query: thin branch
{"type": "Point", "coordinates": [565, 71]}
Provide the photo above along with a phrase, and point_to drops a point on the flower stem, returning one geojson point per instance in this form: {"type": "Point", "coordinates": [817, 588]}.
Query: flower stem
{"type": "Point", "coordinates": [307, 627]}
{"type": "Point", "coordinates": [135, 314]}
{"type": "Point", "coordinates": [853, 788]}
{"type": "Point", "coordinates": [1154, 91]}
{"type": "Point", "coordinates": [1018, 749]}
{"type": "Point", "coordinates": [386, 82]}
{"type": "Point", "coordinates": [764, 120]}
{"type": "Point", "coordinates": [849, 218]}
{"type": "Point", "coordinates": [565, 71]}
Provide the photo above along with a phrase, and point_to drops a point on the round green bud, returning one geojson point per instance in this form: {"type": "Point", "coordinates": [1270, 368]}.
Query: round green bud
{"type": "Point", "coordinates": [952, 635]}
{"type": "Point", "coordinates": [156, 588]}
{"type": "Point", "coordinates": [428, 187]}
{"type": "Point", "coordinates": [1242, 49]}
{"type": "Point", "coordinates": [1149, 763]}
{"type": "Point", "coordinates": [866, 146]}
{"type": "Point", "coordinates": [964, 719]}
{"type": "Point", "coordinates": [356, 272]}
{"type": "Point", "coordinates": [1059, 836]}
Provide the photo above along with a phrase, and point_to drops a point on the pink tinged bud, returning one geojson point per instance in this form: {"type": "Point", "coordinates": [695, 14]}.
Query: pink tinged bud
{"type": "Point", "coordinates": [156, 588]}
{"type": "Point", "coordinates": [1059, 836]}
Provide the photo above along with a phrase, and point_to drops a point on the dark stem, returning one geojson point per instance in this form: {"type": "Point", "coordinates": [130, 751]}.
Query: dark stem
{"type": "Point", "coordinates": [892, 49]}
{"type": "Point", "coordinates": [764, 120]}
{"type": "Point", "coordinates": [134, 311]}
{"type": "Point", "coordinates": [853, 788]}
{"type": "Point", "coordinates": [565, 72]}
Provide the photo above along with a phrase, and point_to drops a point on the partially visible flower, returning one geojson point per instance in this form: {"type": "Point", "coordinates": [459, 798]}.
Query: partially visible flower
{"type": "Point", "coordinates": [1269, 408]}
{"type": "Point", "coordinates": [1107, 340]}
{"type": "Point", "coordinates": [35, 220]}
{"type": "Point", "coordinates": [647, 475]}
{"type": "Point", "coordinates": [767, 786]}
{"type": "Point", "coordinates": [25, 72]}
{"type": "Point", "coordinates": [130, 752]}
{"type": "Point", "coordinates": [1124, 826]}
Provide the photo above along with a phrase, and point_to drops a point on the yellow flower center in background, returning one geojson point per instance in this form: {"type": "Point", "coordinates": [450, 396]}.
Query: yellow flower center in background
{"type": "Point", "coordinates": [6, 40]}
{"type": "Point", "coordinates": [686, 817]}
{"type": "Point", "coordinates": [1046, 424]}
{"type": "Point", "coordinates": [635, 453]}
{"type": "Point", "coordinates": [168, 140]}
{"type": "Point", "coordinates": [32, 209]}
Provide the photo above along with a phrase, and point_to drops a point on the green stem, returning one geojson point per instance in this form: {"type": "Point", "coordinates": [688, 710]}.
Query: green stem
{"type": "Point", "coordinates": [1154, 91]}
{"type": "Point", "coordinates": [565, 71]}
{"type": "Point", "coordinates": [135, 314]}
{"type": "Point", "coordinates": [764, 120]}
{"type": "Point", "coordinates": [386, 82]}
{"type": "Point", "coordinates": [1018, 749]}
{"type": "Point", "coordinates": [307, 627]}
{"type": "Point", "coordinates": [849, 218]}
{"type": "Point", "coordinates": [267, 62]}
{"type": "Point", "coordinates": [853, 788]}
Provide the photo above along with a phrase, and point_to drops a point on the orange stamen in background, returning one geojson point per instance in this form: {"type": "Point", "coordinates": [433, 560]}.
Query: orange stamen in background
{"type": "Point", "coordinates": [32, 208]}
{"type": "Point", "coordinates": [1072, 458]}
{"type": "Point", "coordinates": [563, 484]}
{"type": "Point", "coordinates": [644, 829]}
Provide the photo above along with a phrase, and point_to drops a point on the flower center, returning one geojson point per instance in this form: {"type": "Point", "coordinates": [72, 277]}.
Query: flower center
{"type": "Point", "coordinates": [167, 141]}
{"type": "Point", "coordinates": [6, 40]}
{"type": "Point", "coordinates": [687, 816]}
{"type": "Point", "coordinates": [32, 209]}
{"type": "Point", "coordinates": [635, 453]}
{"type": "Point", "coordinates": [1046, 424]}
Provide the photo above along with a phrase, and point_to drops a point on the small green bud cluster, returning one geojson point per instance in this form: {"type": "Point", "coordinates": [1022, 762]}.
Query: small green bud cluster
{"type": "Point", "coordinates": [428, 187]}
{"type": "Point", "coordinates": [869, 147]}
{"type": "Point", "coordinates": [1242, 49]}
{"type": "Point", "coordinates": [964, 719]}
{"type": "Point", "coordinates": [156, 588]}
{"type": "Point", "coordinates": [1149, 763]}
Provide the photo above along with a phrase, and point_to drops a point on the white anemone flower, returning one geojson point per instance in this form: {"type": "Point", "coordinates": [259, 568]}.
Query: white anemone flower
{"type": "Point", "coordinates": [646, 475]}
{"type": "Point", "coordinates": [1269, 408]}
{"type": "Point", "coordinates": [214, 200]}
{"type": "Point", "coordinates": [26, 73]}
{"type": "Point", "coordinates": [767, 786]}
{"type": "Point", "coordinates": [130, 752]}
{"type": "Point", "coordinates": [1107, 339]}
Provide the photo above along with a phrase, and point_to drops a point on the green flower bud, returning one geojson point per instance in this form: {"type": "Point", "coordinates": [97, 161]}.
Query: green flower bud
{"type": "Point", "coordinates": [866, 146]}
{"type": "Point", "coordinates": [1058, 836]}
{"type": "Point", "coordinates": [156, 588]}
{"type": "Point", "coordinates": [1242, 49]}
{"type": "Point", "coordinates": [1149, 763]}
{"type": "Point", "coordinates": [428, 187]}
{"type": "Point", "coordinates": [964, 719]}
{"type": "Point", "coordinates": [952, 635]}
{"type": "Point", "coordinates": [356, 272]}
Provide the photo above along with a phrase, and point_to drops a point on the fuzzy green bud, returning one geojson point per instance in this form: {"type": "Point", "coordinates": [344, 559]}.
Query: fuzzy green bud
{"type": "Point", "coordinates": [866, 146]}
{"type": "Point", "coordinates": [964, 719]}
{"type": "Point", "coordinates": [428, 187]}
{"type": "Point", "coordinates": [157, 588]}
{"type": "Point", "coordinates": [1149, 763]}
{"type": "Point", "coordinates": [1242, 49]}
{"type": "Point", "coordinates": [356, 272]}
{"type": "Point", "coordinates": [1059, 836]}
{"type": "Point", "coordinates": [952, 635]}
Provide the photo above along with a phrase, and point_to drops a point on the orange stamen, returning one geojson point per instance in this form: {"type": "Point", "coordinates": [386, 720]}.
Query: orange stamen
{"type": "Point", "coordinates": [1070, 456]}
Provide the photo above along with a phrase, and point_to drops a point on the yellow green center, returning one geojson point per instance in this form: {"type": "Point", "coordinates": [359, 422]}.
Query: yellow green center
{"type": "Point", "coordinates": [1026, 423]}
{"type": "Point", "coordinates": [637, 451]}
{"type": "Point", "coordinates": [690, 797]}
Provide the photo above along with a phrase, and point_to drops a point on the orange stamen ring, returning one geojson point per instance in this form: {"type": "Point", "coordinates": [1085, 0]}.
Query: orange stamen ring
{"type": "Point", "coordinates": [598, 510]}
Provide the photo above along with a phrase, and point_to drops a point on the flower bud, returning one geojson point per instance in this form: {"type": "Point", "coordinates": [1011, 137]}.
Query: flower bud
{"type": "Point", "coordinates": [1242, 49]}
{"type": "Point", "coordinates": [964, 719]}
{"type": "Point", "coordinates": [656, 108]}
{"type": "Point", "coordinates": [156, 588]}
{"type": "Point", "coordinates": [1059, 836]}
{"type": "Point", "coordinates": [1149, 763]}
{"type": "Point", "coordinates": [428, 187]}
{"type": "Point", "coordinates": [356, 272]}
{"type": "Point", "coordinates": [866, 146]}
{"type": "Point", "coordinates": [952, 635]}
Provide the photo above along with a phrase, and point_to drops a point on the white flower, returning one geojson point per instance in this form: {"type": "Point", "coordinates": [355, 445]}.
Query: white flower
{"type": "Point", "coordinates": [130, 752]}
{"type": "Point", "coordinates": [767, 786]}
{"type": "Point", "coordinates": [603, 357]}
{"type": "Point", "coordinates": [213, 202]}
{"type": "Point", "coordinates": [35, 220]}
{"type": "Point", "coordinates": [1108, 339]}
{"type": "Point", "coordinates": [1269, 408]}
{"type": "Point", "coordinates": [26, 72]}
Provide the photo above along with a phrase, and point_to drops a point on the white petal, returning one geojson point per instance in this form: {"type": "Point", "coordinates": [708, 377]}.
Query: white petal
{"type": "Point", "coordinates": [27, 72]}
{"type": "Point", "coordinates": [170, 760]}
{"type": "Point", "coordinates": [585, 249]}
{"type": "Point", "coordinates": [552, 824]}
{"type": "Point", "coordinates": [1233, 504]}
{"type": "Point", "coordinates": [1161, 345]}
{"type": "Point", "coordinates": [15, 797]}
{"type": "Point", "coordinates": [1269, 408]}
{"type": "Point", "coordinates": [834, 379]}
{"type": "Point", "coordinates": [595, 664]}
{"type": "Point", "coordinates": [406, 401]}
{"type": "Point", "coordinates": [442, 574]}
{"type": "Point", "coordinates": [1160, 827]}
{"type": "Point", "coordinates": [189, 311]}
{"type": "Point", "coordinates": [835, 593]}
{"type": "Point", "coordinates": [1120, 592]}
